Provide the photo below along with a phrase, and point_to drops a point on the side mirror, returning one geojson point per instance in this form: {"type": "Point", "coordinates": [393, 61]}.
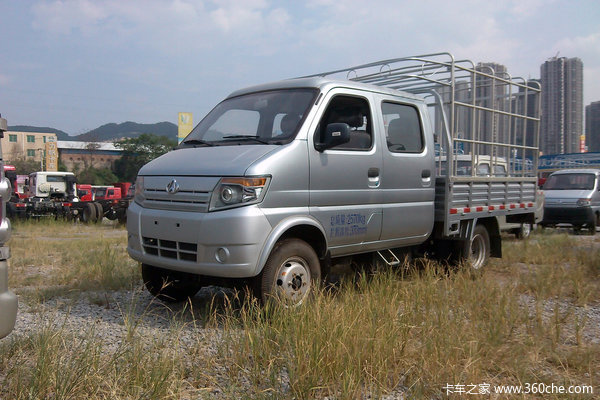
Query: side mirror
{"type": "Point", "coordinates": [335, 134]}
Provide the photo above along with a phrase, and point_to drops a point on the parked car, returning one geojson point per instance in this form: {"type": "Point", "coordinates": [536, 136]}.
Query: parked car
{"type": "Point", "coordinates": [573, 197]}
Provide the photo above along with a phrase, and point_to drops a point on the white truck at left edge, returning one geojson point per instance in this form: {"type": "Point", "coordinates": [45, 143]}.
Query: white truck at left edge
{"type": "Point", "coordinates": [8, 300]}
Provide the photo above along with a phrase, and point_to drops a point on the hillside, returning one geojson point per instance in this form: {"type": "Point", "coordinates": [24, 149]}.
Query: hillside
{"type": "Point", "coordinates": [107, 132]}
{"type": "Point", "coordinates": [114, 131]}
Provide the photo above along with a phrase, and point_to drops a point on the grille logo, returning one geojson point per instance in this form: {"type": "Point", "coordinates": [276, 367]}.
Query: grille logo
{"type": "Point", "coordinates": [173, 187]}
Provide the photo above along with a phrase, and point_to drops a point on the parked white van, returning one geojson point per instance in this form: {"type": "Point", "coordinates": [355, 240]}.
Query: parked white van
{"type": "Point", "coordinates": [573, 197]}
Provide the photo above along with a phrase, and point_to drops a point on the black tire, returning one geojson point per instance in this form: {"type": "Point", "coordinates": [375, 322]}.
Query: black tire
{"type": "Point", "coordinates": [111, 215]}
{"type": "Point", "coordinates": [591, 227]}
{"type": "Point", "coordinates": [89, 213]}
{"type": "Point", "coordinates": [99, 212]}
{"type": "Point", "coordinates": [479, 247]}
{"type": "Point", "coordinates": [170, 286]}
{"type": "Point", "coordinates": [523, 231]}
{"type": "Point", "coordinates": [291, 273]}
{"type": "Point", "coordinates": [122, 216]}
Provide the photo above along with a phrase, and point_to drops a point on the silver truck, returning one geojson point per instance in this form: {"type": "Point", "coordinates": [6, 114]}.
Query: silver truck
{"type": "Point", "coordinates": [280, 179]}
{"type": "Point", "coordinates": [8, 300]}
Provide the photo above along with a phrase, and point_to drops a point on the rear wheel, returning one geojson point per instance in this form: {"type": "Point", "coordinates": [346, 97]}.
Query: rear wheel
{"type": "Point", "coordinates": [479, 247]}
{"type": "Point", "coordinates": [291, 273]}
{"type": "Point", "coordinates": [170, 286]}
{"type": "Point", "coordinates": [89, 213]}
{"type": "Point", "coordinates": [524, 231]}
{"type": "Point", "coordinates": [99, 212]}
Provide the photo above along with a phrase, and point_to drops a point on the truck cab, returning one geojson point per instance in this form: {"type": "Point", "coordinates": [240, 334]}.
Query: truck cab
{"type": "Point", "coordinates": [84, 192]}
{"type": "Point", "coordinates": [108, 193]}
{"type": "Point", "coordinates": [51, 185]}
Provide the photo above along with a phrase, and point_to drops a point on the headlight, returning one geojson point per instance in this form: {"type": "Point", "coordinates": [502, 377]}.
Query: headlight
{"type": "Point", "coordinates": [584, 202]}
{"type": "Point", "coordinates": [139, 189]}
{"type": "Point", "coordinates": [235, 192]}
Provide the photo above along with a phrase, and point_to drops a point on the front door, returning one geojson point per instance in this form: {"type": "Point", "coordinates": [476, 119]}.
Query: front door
{"type": "Point", "coordinates": [345, 181]}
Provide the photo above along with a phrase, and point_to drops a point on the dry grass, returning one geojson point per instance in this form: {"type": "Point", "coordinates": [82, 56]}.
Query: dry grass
{"type": "Point", "coordinates": [50, 258]}
{"type": "Point", "coordinates": [521, 320]}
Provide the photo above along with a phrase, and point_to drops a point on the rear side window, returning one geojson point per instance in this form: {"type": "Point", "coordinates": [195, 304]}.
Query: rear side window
{"type": "Point", "coordinates": [402, 128]}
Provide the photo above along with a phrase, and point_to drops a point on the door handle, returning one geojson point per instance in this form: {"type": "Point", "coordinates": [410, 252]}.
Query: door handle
{"type": "Point", "coordinates": [373, 175]}
{"type": "Point", "coordinates": [426, 177]}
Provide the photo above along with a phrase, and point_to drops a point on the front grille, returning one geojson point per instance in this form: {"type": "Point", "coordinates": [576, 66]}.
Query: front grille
{"type": "Point", "coordinates": [184, 200]}
{"type": "Point", "coordinates": [171, 249]}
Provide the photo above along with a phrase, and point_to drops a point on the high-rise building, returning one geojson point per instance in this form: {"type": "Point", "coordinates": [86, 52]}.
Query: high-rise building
{"type": "Point", "coordinates": [562, 105]}
{"type": "Point", "coordinates": [592, 126]}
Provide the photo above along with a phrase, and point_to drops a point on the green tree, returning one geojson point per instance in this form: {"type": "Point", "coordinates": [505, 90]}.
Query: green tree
{"type": "Point", "coordinates": [25, 166]}
{"type": "Point", "coordinates": [139, 151]}
{"type": "Point", "coordinates": [94, 176]}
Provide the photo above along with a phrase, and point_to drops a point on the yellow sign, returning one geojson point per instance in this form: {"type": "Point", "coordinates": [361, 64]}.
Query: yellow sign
{"type": "Point", "coordinates": [51, 156]}
{"type": "Point", "coordinates": [185, 125]}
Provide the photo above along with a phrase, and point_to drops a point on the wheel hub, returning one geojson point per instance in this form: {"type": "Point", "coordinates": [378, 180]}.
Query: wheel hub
{"type": "Point", "coordinates": [477, 252]}
{"type": "Point", "coordinates": [293, 279]}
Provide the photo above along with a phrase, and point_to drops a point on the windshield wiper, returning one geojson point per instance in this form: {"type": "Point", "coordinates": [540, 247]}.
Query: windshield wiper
{"type": "Point", "coordinates": [246, 137]}
{"type": "Point", "coordinates": [197, 141]}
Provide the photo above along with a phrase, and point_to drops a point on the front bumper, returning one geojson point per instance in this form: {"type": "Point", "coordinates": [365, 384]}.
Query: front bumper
{"type": "Point", "coordinates": [568, 215]}
{"type": "Point", "coordinates": [8, 302]}
{"type": "Point", "coordinates": [225, 243]}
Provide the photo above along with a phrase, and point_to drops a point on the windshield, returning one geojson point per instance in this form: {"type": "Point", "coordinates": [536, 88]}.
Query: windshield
{"type": "Point", "coordinates": [570, 182]}
{"type": "Point", "coordinates": [272, 117]}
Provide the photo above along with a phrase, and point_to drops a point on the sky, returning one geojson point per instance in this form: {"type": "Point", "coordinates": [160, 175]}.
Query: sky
{"type": "Point", "coordinates": [74, 65]}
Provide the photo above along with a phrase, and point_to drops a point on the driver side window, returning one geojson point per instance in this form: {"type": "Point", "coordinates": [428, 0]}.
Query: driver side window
{"type": "Point", "coordinates": [355, 112]}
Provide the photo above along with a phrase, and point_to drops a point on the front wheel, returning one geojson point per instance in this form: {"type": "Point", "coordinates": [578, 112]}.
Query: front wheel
{"type": "Point", "coordinates": [479, 248]}
{"type": "Point", "coordinates": [291, 273]}
{"type": "Point", "coordinates": [170, 286]}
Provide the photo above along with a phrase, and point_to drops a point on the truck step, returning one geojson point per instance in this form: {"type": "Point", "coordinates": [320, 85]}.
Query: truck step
{"type": "Point", "coordinates": [389, 257]}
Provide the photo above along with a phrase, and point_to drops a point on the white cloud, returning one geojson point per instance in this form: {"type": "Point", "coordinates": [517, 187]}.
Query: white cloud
{"type": "Point", "coordinates": [528, 8]}
{"type": "Point", "coordinates": [63, 16]}
{"type": "Point", "coordinates": [160, 24]}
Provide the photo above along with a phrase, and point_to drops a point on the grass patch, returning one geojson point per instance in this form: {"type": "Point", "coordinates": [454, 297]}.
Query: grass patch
{"type": "Point", "coordinates": [50, 257]}
{"type": "Point", "coordinates": [417, 333]}
{"type": "Point", "coordinates": [523, 319]}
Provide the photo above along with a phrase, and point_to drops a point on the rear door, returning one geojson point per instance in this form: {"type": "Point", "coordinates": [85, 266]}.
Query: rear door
{"type": "Point", "coordinates": [407, 179]}
{"type": "Point", "coordinates": [345, 193]}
